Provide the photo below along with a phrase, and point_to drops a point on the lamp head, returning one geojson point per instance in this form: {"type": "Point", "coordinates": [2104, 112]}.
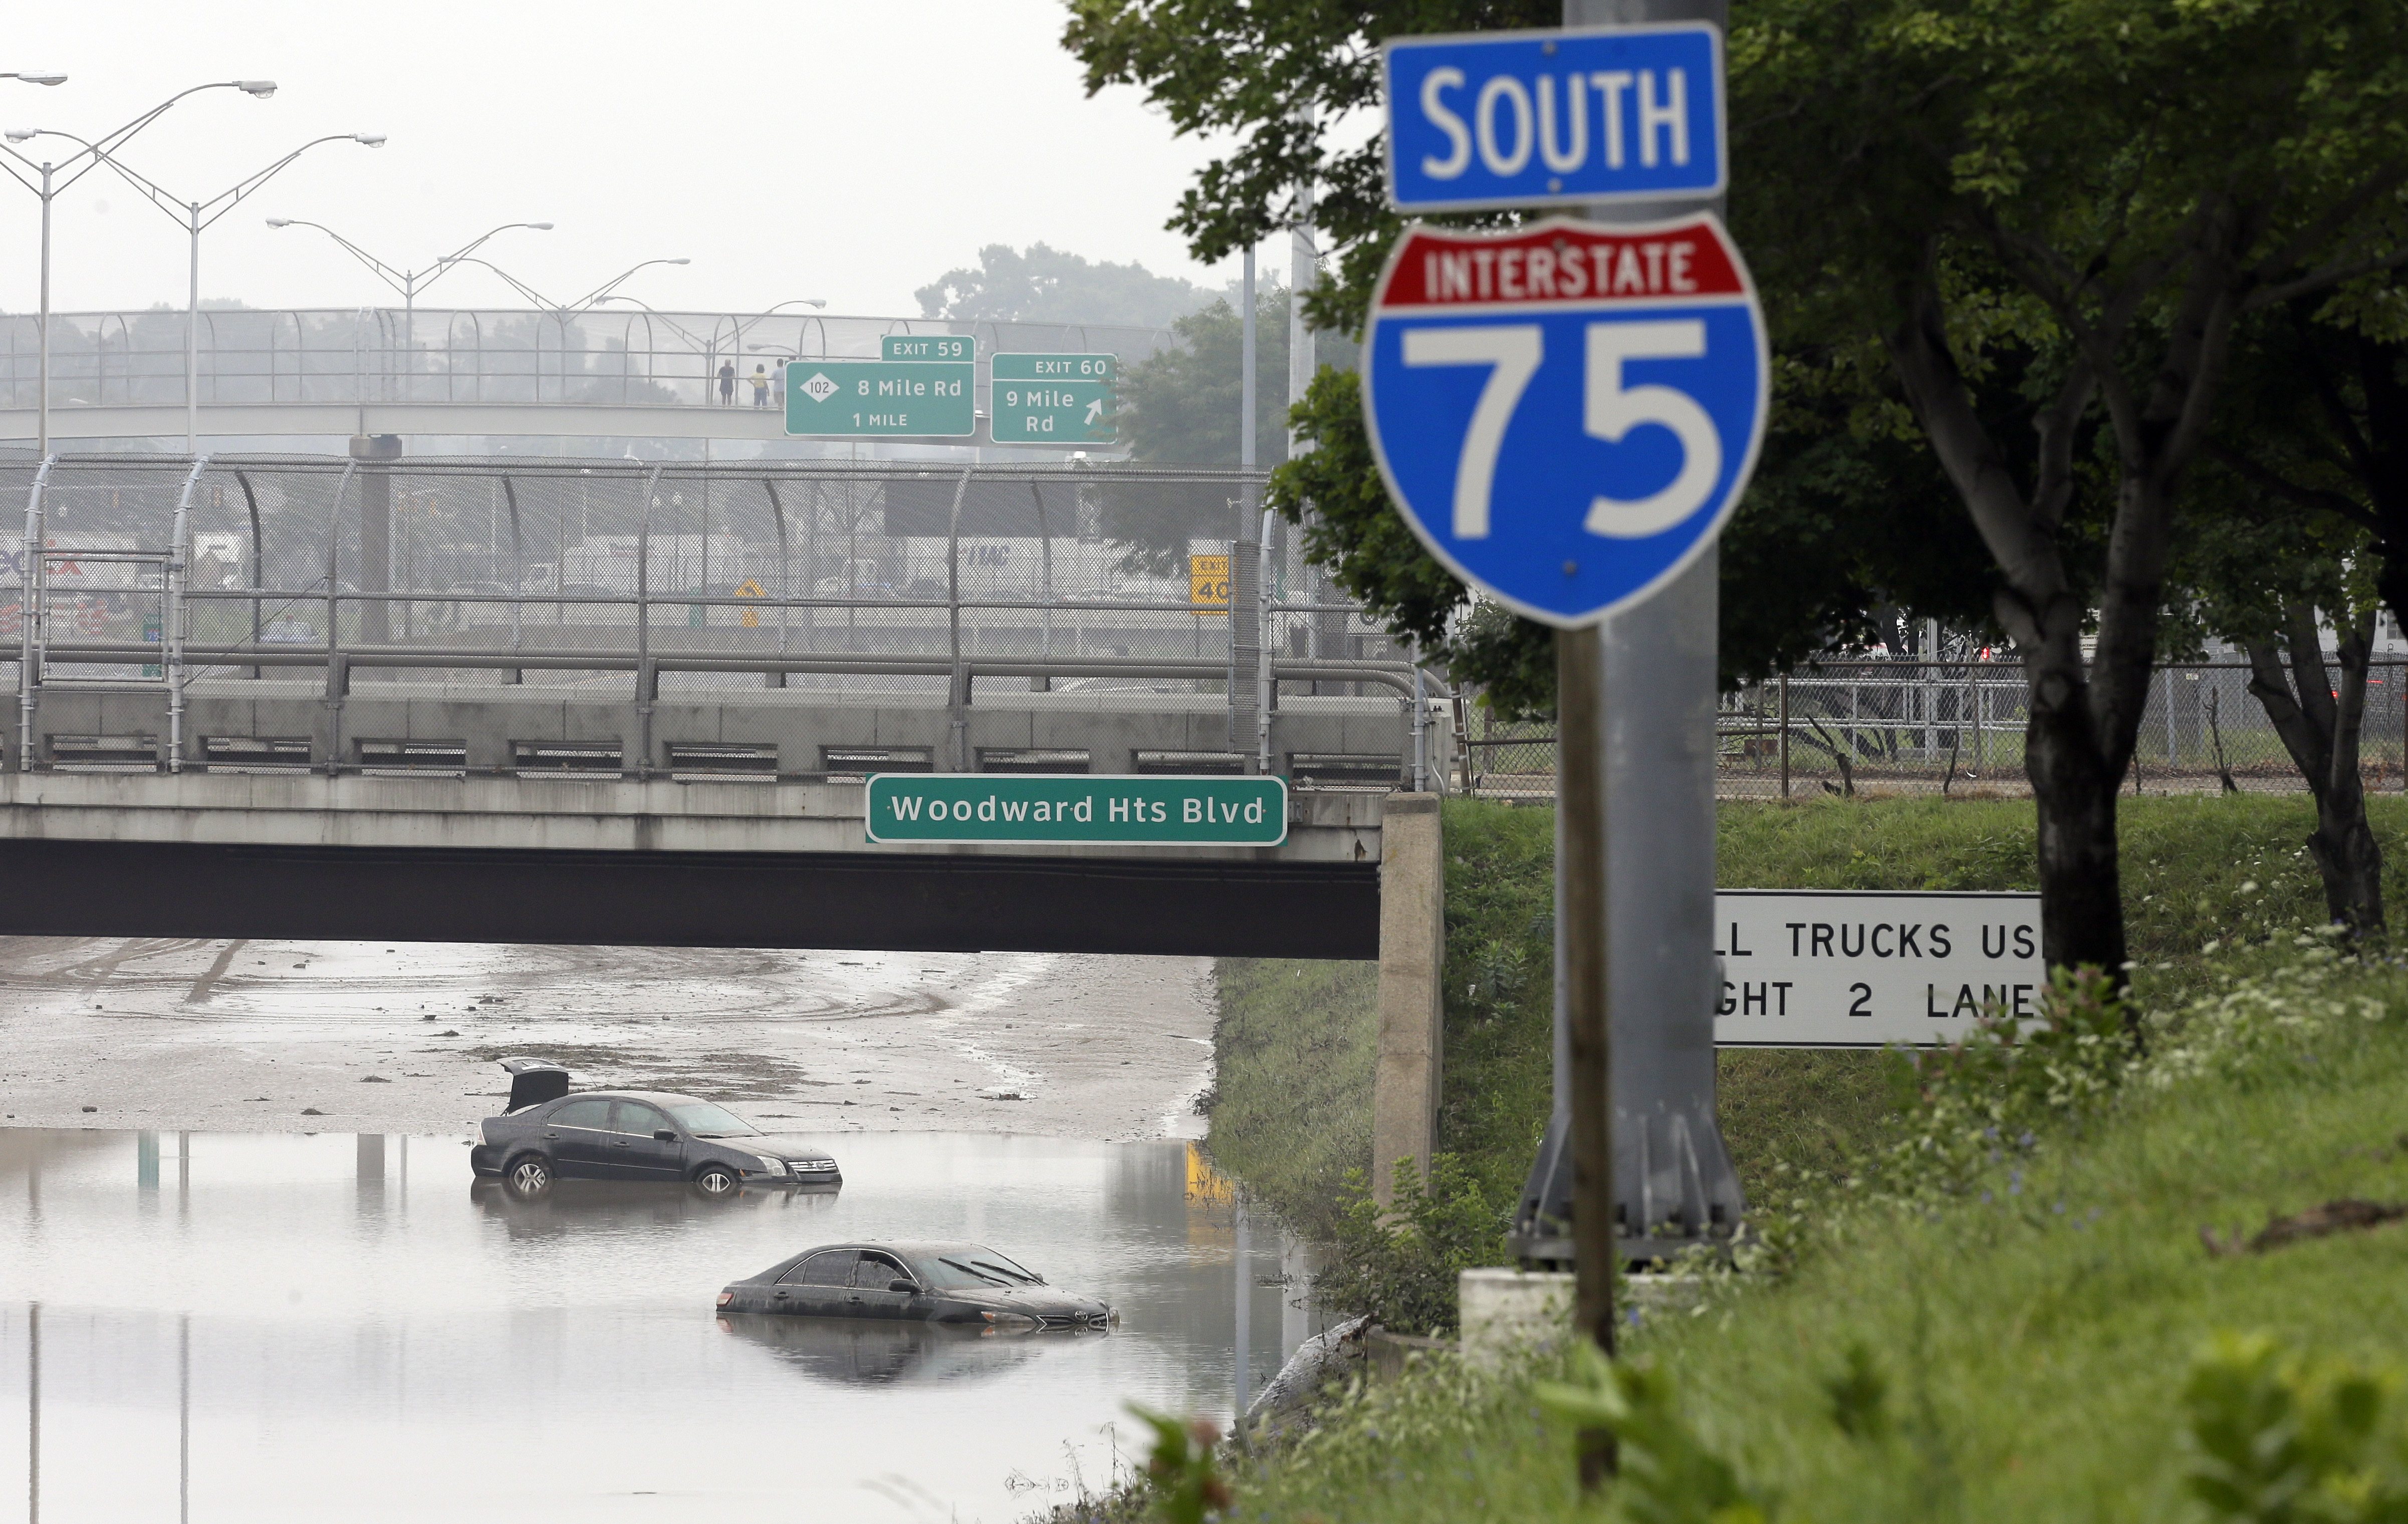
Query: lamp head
{"type": "Point", "coordinates": [256, 89]}
{"type": "Point", "coordinates": [42, 77]}
{"type": "Point", "coordinates": [540, 227]}
{"type": "Point", "coordinates": [678, 262]}
{"type": "Point", "coordinates": [23, 134]}
{"type": "Point", "coordinates": [280, 222]}
{"type": "Point", "coordinates": [374, 140]}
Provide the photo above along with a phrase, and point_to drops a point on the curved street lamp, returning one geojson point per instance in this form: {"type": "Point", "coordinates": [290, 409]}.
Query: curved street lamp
{"type": "Point", "coordinates": [49, 187]}
{"type": "Point", "coordinates": [197, 216]}
{"type": "Point", "coordinates": [409, 283]}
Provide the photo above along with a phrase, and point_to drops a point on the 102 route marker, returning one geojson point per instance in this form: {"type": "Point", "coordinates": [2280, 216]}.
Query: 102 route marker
{"type": "Point", "coordinates": [1559, 117]}
{"type": "Point", "coordinates": [1566, 413]}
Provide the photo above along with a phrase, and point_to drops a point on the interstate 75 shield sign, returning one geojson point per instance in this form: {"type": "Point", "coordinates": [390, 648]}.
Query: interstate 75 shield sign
{"type": "Point", "coordinates": [1566, 413]}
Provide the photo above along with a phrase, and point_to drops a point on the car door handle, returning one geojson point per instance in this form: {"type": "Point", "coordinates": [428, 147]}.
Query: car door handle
{"type": "Point", "coordinates": [852, 1299]}
{"type": "Point", "coordinates": [778, 1296]}
{"type": "Point", "coordinates": [618, 1143]}
{"type": "Point", "coordinates": [552, 1137]}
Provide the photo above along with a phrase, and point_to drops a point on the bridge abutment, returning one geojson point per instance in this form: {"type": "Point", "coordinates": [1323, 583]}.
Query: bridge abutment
{"type": "Point", "coordinates": [1412, 954]}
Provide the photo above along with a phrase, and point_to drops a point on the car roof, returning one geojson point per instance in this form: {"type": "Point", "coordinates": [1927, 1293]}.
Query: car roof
{"type": "Point", "coordinates": [656, 1097]}
{"type": "Point", "coordinates": [907, 1248]}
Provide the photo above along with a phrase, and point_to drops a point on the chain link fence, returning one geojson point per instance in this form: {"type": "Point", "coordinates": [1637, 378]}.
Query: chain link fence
{"type": "Point", "coordinates": [879, 583]}
{"type": "Point", "coordinates": [623, 354]}
{"type": "Point", "coordinates": [1907, 727]}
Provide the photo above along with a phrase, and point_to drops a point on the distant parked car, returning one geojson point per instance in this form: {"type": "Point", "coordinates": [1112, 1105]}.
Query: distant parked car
{"type": "Point", "coordinates": [953, 1283]}
{"type": "Point", "coordinates": [549, 1136]}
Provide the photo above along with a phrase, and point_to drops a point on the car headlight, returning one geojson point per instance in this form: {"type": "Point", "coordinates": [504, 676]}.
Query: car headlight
{"type": "Point", "coordinates": [772, 1166]}
{"type": "Point", "coordinates": [1013, 1322]}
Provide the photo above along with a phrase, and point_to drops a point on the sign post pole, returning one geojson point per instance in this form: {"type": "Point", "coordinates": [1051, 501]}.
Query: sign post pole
{"type": "Point", "coordinates": [1585, 1067]}
{"type": "Point", "coordinates": [1566, 413]}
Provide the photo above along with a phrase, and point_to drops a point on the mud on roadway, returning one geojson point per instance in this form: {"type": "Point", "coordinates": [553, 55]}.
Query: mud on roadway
{"type": "Point", "coordinates": [402, 1037]}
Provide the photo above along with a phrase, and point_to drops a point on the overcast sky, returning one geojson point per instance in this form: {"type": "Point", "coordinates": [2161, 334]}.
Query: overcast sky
{"type": "Point", "coordinates": [796, 149]}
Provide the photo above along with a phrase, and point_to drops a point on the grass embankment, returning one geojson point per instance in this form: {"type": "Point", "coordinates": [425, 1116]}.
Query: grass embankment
{"type": "Point", "coordinates": [1295, 1039]}
{"type": "Point", "coordinates": [2028, 1334]}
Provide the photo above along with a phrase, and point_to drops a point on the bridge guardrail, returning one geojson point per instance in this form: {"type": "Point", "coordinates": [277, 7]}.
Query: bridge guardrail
{"type": "Point", "coordinates": [626, 353]}
{"type": "Point", "coordinates": [907, 582]}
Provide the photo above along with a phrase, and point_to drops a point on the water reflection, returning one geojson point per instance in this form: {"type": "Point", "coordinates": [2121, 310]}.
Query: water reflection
{"type": "Point", "coordinates": [859, 1352]}
{"type": "Point", "coordinates": [338, 1316]}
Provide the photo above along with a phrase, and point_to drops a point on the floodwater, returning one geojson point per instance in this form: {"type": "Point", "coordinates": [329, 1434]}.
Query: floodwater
{"type": "Point", "coordinates": [258, 1328]}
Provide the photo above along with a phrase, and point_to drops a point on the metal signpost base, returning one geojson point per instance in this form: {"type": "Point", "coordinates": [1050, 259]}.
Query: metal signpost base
{"type": "Point", "coordinates": [1674, 1187]}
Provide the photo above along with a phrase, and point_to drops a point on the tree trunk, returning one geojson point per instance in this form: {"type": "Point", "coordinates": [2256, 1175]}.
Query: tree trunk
{"type": "Point", "coordinates": [2073, 790]}
{"type": "Point", "coordinates": [2320, 728]}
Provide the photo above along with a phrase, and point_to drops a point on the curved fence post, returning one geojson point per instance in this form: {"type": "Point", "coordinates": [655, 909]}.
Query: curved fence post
{"type": "Point", "coordinates": [778, 514]}
{"type": "Point", "coordinates": [171, 613]}
{"type": "Point", "coordinates": [29, 564]}
{"type": "Point", "coordinates": [958, 697]}
{"type": "Point", "coordinates": [258, 557]}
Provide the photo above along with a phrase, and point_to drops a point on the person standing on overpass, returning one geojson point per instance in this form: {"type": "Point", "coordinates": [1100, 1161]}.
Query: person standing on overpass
{"type": "Point", "coordinates": [727, 383]}
{"type": "Point", "coordinates": [778, 390]}
{"type": "Point", "coordinates": [760, 386]}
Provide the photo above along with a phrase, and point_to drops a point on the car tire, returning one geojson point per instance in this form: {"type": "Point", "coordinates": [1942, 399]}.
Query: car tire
{"type": "Point", "coordinates": [716, 1181]}
{"type": "Point", "coordinates": [528, 1176]}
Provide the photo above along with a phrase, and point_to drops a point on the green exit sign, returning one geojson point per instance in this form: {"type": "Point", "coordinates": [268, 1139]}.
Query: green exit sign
{"type": "Point", "coordinates": [1077, 810]}
{"type": "Point", "coordinates": [928, 346]}
{"type": "Point", "coordinates": [881, 398]}
{"type": "Point", "coordinates": [1054, 399]}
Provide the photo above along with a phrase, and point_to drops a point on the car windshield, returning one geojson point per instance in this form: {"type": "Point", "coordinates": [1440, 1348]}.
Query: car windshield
{"type": "Point", "coordinates": [704, 1120]}
{"type": "Point", "coordinates": [974, 1269]}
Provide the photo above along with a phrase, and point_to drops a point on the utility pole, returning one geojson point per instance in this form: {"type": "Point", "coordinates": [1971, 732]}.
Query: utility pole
{"type": "Point", "coordinates": [1245, 572]}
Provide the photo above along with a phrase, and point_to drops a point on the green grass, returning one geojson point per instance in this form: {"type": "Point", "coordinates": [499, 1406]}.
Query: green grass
{"type": "Point", "coordinates": [1296, 1038]}
{"type": "Point", "coordinates": [2033, 1340]}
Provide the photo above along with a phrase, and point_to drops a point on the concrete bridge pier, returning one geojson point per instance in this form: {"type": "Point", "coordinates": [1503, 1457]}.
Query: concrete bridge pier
{"type": "Point", "coordinates": [377, 452]}
{"type": "Point", "coordinates": [1413, 955]}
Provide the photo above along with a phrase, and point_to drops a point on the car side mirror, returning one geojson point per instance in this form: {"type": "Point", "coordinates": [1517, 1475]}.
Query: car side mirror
{"type": "Point", "coordinates": [906, 1287]}
{"type": "Point", "coordinates": [664, 1136]}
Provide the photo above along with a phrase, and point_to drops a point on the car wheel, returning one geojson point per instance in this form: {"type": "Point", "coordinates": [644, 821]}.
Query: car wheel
{"type": "Point", "coordinates": [528, 1175]}
{"type": "Point", "coordinates": [715, 1180]}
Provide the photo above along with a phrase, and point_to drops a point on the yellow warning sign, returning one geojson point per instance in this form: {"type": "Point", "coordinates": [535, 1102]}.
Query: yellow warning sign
{"type": "Point", "coordinates": [751, 618]}
{"type": "Point", "coordinates": [1208, 585]}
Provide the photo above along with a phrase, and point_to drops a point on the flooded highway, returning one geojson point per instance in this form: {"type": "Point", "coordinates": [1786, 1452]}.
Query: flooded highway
{"type": "Point", "coordinates": [262, 1327]}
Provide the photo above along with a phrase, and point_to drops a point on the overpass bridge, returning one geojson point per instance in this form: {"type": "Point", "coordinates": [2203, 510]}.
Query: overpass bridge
{"type": "Point", "coordinates": [617, 372]}
{"type": "Point", "coordinates": [611, 702]}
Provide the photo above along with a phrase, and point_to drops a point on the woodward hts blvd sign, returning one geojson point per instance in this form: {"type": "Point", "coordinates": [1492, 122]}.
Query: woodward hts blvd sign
{"type": "Point", "coordinates": [1077, 809]}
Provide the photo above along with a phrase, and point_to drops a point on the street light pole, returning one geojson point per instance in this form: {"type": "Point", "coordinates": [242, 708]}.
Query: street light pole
{"type": "Point", "coordinates": [195, 223]}
{"type": "Point", "coordinates": [50, 187]}
{"type": "Point", "coordinates": [409, 283]}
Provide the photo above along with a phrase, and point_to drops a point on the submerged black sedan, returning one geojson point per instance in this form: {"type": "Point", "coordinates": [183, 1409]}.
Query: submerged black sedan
{"type": "Point", "coordinates": [639, 1135]}
{"type": "Point", "coordinates": [965, 1284]}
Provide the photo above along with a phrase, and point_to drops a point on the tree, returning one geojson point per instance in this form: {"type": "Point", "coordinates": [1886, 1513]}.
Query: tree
{"type": "Point", "coordinates": [1181, 406]}
{"type": "Point", "coordinates": [2078, 196]}
{"type": "Point", "coordinates": [2268, 578]}
{"type": "Point", "coordinates": [1043, 284]}
{"type": "Point", "coordinates": [2309, 526]}
{"type": "Point", "coordinates": [2107, 186]}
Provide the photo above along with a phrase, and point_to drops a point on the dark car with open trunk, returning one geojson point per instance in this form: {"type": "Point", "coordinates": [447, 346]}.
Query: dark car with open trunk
{"type": "Point", "coordinates": [548, 1134]}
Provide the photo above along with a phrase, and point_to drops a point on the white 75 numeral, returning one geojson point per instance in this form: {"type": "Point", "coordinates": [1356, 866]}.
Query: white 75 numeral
{"type": "Point", "coordinates": [1609, 412]}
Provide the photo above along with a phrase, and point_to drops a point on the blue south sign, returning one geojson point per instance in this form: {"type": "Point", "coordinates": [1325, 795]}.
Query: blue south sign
{"type": "Point", "coordinates": [1526, 119]}
{"type": "Point", "coordinates": [1566, 413]}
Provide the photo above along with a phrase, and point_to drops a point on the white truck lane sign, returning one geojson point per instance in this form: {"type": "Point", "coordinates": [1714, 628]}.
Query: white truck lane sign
{"type": "Point", "coordinates": [1837, 968]}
